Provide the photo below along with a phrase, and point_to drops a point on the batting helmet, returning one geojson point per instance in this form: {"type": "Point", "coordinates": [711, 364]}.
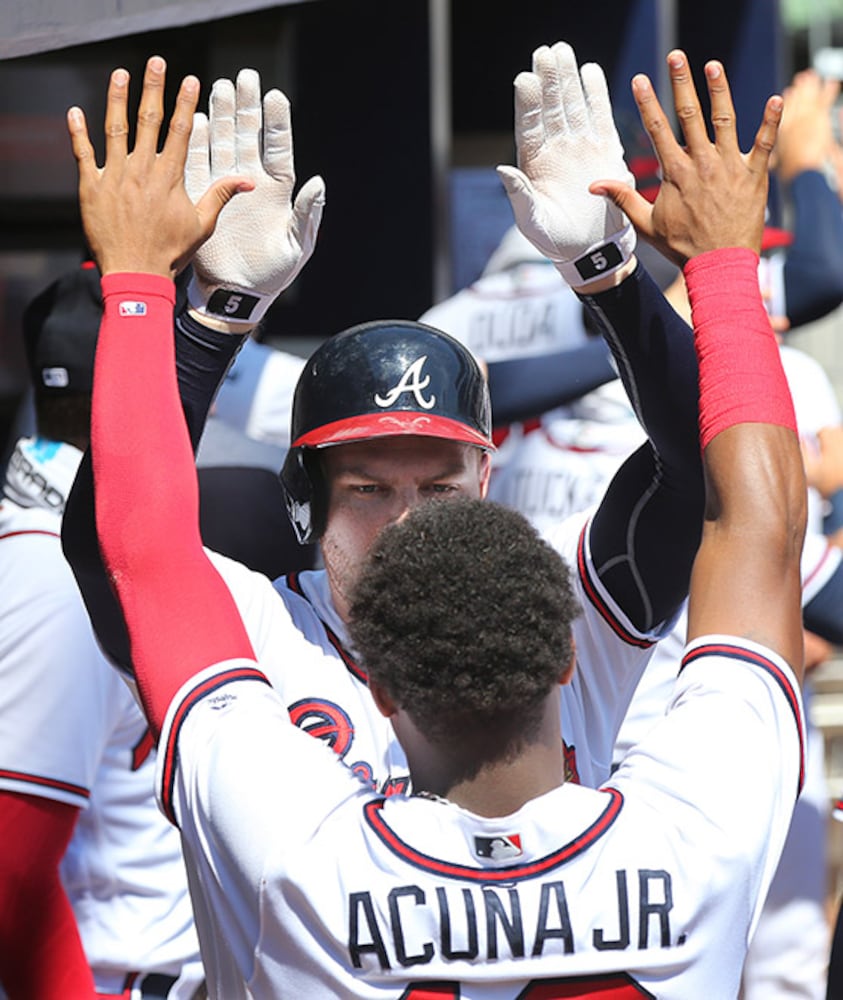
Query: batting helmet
{"type": "Point", "coordinates": [379, 379]}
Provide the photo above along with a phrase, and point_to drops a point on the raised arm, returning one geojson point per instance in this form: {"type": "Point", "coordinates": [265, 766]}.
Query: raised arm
{"type": "Point", "coordinates": [258, 247]}
{"type": "Point", "coordinates": [141, 224]}
{"type": "Point", "coordinates": [644, 536]}
{"type": "Point", "coordinates": [709, 215]}
{"type": "Point", "coordinates": [813, 263]}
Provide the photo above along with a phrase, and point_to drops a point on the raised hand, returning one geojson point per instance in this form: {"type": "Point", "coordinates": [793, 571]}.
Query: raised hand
{"type": "Point", "coordinates": [806, 137]}
{"type": "Point", "coordinates": [263, 240]}
{"type": "Point", "coordinates": [711, 195]}
{"type": "Point", "coordinates": [136, 213]}
{"type": "Point", "coordinates": [566, 138]}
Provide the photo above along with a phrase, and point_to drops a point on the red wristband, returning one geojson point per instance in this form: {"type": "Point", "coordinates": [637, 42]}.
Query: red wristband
{"type": "Point", "coordinates": [740, 371]}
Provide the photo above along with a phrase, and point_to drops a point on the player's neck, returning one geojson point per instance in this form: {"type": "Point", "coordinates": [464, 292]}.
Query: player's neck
{"type": "Point", "coordinates": [502, 789]}
{"type": "Point", "coordinates": [502, 783]}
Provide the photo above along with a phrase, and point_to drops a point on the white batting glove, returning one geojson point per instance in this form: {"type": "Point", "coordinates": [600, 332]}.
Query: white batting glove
{"type": "Point", "coordinates": [263, 238]}
{"type": "Point", "coordinates": [566, 139]}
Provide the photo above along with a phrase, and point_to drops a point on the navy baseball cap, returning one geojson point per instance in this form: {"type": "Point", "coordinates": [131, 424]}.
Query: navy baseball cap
{"type": "Point", "coordinates": [60, 328]}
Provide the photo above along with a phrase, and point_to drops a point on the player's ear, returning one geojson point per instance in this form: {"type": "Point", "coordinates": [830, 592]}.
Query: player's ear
{"type": "Point", "coordinates": [485, 473]}
{"type": "Point", "coordinates": [385, 705]}
{"type": "Point", "coordinates": [568, 672]}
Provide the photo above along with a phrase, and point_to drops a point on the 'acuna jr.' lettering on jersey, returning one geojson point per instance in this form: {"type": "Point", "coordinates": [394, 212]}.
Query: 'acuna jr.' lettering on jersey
{"type": "Point", "coordinates": [489, 922]}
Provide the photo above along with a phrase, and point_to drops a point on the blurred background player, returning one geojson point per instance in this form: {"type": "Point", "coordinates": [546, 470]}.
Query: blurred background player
{"type": "Point", "coordinates": [93, 891]}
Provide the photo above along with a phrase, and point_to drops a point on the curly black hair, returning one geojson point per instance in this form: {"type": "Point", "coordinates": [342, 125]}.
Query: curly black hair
{"type": "Point", "coordinates": [463, 615]}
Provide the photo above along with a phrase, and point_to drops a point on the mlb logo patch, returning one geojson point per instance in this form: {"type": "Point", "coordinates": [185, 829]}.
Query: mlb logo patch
{"type": "Point", "coordinates": [55, 378]}
{"type": "Point", "coordinates": [129, 308]}
{"type": "Point", "coordinates": [500, 848]}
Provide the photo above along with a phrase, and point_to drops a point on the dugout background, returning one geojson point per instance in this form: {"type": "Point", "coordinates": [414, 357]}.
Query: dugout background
{"type": "Point", "coordinates": [404, 107]}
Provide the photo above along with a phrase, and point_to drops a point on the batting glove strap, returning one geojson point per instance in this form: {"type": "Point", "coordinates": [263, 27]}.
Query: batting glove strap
{"type": "Point", "coordinates": [599, 260]}
{"type": "Point", "coordinates": [232, 304]}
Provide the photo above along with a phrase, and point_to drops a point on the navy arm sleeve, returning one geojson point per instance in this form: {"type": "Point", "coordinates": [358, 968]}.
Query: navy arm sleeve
{"type": "Point", "coordinates": [203, 356]}
{"type": "Point", "coordinates": [647, 528]}
{"type": "Point", "coordinates": [522, 388]}
{"type": "Point", "coordinates": [813, 268]}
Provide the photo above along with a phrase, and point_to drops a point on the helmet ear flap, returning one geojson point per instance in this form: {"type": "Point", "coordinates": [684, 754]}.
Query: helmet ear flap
{"type": "Point", "coordinates": [304, 487]}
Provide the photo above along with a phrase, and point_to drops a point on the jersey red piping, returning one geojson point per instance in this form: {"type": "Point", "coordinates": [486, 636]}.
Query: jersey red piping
{"type": "Point", "coordinates": [193, 697]}
{"type": "Point", "coordinates": [36, 779]}
{"type": "Point", "coordinates": [372, 814]}
{"type": "Point", "coordinates": [31, 531]}
{"type": "Point", "coordinates": [346, 657]}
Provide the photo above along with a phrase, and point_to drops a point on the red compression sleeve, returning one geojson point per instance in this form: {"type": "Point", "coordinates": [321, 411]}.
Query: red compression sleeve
{"type": "Point", "coordinates": [740, 370]}
{"type": "Point", "coordinates": [179, 613]}
{"type": "Point", "coordinates": [41, 953]}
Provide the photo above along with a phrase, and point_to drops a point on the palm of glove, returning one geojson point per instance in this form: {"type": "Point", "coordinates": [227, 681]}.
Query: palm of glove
{"type": "Point", "coordinates": [263, 238]}
{"type": "Point", "coordinates": [566, 139]}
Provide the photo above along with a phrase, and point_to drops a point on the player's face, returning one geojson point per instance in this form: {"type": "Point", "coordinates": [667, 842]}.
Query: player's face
{"type": "Point", "coordinates": [374, 483]}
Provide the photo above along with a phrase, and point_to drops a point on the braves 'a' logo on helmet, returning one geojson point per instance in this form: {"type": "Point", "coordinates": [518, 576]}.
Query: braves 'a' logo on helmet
{"type": "Point", "coordinates": [411, 381]}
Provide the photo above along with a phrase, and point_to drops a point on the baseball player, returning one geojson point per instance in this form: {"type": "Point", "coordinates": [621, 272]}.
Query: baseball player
{"type": "Point", "coordinates": [497, 878]}
{"type": "Point", "coordinates": [391, 414]}
{"type": "Point", "coordinates": [93, 891]}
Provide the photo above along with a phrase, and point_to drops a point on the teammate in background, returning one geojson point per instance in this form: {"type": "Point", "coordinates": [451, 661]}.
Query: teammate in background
{"type": "Point", "coordinates": [354, 894]}
{"type": "Point", "coordinates": [93, 893]}
{"type": "Point", "coordinates": [392, 414]}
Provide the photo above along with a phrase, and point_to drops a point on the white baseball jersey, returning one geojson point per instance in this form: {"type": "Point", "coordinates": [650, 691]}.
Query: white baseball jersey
{"type": "Point", "coordinates": [816, 406]}
{"type": "Point", "coordinates": [309, 884]}
{"type": "Point", "coordinates": [326, 691]}
{"type": "Point", "coordinates": [70, 731]}
{"type": "Point", "coordinates": [523, 312]}
{"type": "Point", "coordinates": [565, 464]}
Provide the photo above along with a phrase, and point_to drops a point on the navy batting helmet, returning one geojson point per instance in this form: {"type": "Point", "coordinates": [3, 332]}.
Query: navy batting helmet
{"type": "Point", "coordinates": [379, 379]}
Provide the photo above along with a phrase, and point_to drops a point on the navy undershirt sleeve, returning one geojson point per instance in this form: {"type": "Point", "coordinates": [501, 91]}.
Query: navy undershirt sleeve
{"type": "Point", "coordinates": [646, 531]}
{"type": "Point", "coordinates": [522, 388]}
{"type": "Point", "coordinates": [813, 268]}
{"type": "Point", "coordinates": [203, 356]}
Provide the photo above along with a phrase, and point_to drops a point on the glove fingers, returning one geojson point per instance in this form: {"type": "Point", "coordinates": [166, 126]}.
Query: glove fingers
{"type": "Point", "coordinates": [573, 98]}
{"type": "Point", "coordinates": [278, 138]}
{"type": "Point", "coordinates": [221, 128]}
{"type": "Point", "coordinates": [553, 112]}
{"type": "Point", "coordinates": [529, 125]}
{"type": "Point", "coordinates": [248, 120]}
{"type": "Point", "coordinates": [197, 168]}
{"type": "Point", "coordinates": [307, 215]}
{"type": "Point", "coordinates": [602, 120]}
